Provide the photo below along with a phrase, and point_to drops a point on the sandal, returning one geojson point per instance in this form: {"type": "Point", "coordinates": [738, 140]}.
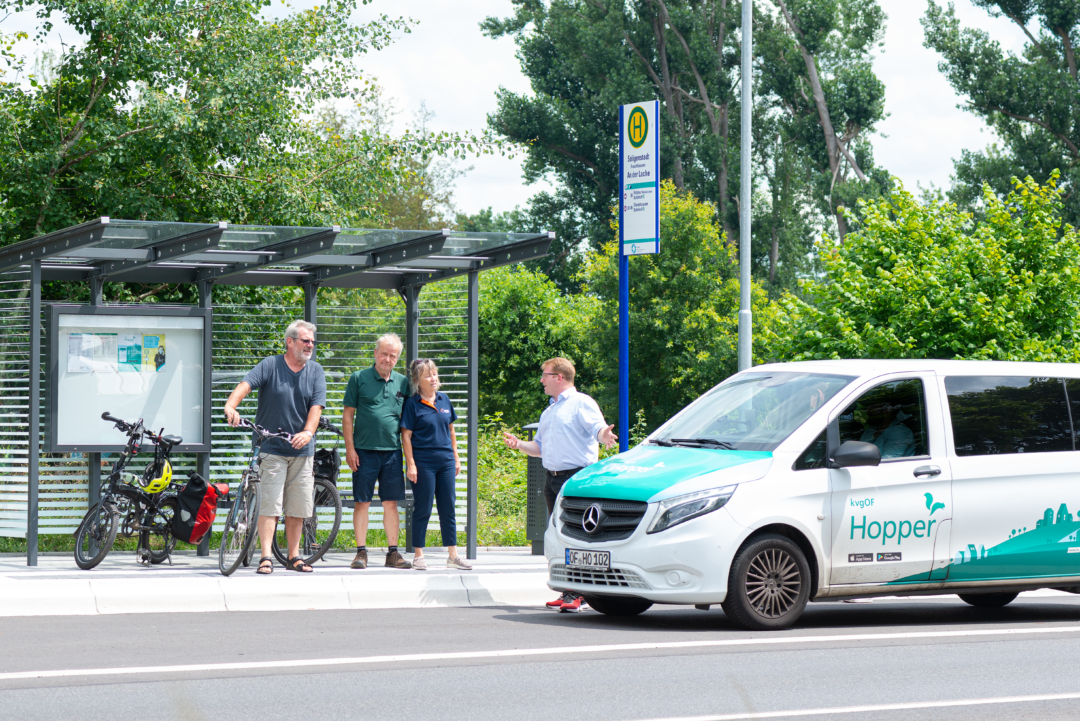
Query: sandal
{"type": "Point", "coordinates": [297, 564]}
{"type": "Point", "coordinates": [265, 570]}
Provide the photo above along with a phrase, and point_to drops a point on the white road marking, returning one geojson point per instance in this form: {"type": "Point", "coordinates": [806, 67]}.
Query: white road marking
{"type": "Point", "coordinates": [877, 707]}
{"type": "Point", "coordinates": [524, 652]}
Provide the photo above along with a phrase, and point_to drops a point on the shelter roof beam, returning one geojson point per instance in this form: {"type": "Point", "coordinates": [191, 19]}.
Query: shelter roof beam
{"type": "Point", "coordinates": [389, 255]}
{"type": "Point", "coordinates": [56, 243]}
{"type": "Point", "coordinates": [172, 249]}
{"type": "Point", "coordinates": [285, 252]}
{"type": "Point", "coordinates": [528, 249]}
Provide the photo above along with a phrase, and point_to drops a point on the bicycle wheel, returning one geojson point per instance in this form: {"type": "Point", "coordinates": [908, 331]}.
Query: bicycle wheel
{"type": "Point", "coordinates": [317, 534]}
{"type": "Point", "coordinates": [162, 544]}
{"type": "Point", "coordinates": [239, 529]}
{"type": "Point", "coordinates": [95, 536]}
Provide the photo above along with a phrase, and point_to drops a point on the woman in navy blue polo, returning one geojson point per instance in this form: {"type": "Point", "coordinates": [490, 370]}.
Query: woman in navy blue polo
{"type": "Point", "coordinates": [431, 460]}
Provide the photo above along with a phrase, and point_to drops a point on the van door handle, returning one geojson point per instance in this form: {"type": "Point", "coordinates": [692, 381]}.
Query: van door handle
{"type": "Point", "coordinates": [927, 471]}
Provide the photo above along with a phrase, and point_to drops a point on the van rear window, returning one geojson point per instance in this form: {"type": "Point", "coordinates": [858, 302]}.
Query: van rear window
{"type": "Point", "coordinates": [992, 415]}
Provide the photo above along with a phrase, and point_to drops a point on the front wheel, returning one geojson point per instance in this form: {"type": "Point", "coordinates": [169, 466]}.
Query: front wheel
{"type": "Point", "coordinates": [312, 547]}
{"type": "Point", "coordinates": [988, 600]}
{"type": "Point", "coordinates": [95, 536]}
{"type": "Point", "coordinates": [239, 532]}
{"type": "Point", "coordinates": [613, 606]}
{"type": "Point", "coordinates": [769, 584]}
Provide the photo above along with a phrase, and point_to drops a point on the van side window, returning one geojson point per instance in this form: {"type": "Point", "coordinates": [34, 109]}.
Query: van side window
{"type": "Point", "coordinates": [1009, 414]}
{"type": "Point", "coordinates": [892, 416]}
{"type": "Point", "coordinates": [814, 455]}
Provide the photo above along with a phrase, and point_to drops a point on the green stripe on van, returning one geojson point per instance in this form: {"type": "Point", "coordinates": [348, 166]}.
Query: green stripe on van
{"type": "Point", "coordinates": [642, 472]}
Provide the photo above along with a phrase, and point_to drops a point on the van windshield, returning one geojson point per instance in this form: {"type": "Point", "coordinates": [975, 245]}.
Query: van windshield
{"type": "Point", "coordinates": [751, 412]}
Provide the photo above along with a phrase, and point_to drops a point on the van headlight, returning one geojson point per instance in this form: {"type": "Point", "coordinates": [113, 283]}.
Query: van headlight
{"type": "Point", "coordinates": [675, 510]}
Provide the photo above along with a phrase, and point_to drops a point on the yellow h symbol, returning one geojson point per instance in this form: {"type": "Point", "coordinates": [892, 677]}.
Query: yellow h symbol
{"type": "Point", "coordinates": [637, 127]}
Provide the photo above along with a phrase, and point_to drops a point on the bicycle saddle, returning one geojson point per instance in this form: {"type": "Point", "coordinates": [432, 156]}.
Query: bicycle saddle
{"type": "Point", "coordinates": [172, 440]}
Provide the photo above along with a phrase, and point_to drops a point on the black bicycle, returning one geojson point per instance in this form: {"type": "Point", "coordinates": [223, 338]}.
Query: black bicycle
{"type": "Point", "coordinates": [146, 502]}
{"type": "Point", "coordinates": [241, 525]}
{"type": "Point", "coordinates": [325, 468]}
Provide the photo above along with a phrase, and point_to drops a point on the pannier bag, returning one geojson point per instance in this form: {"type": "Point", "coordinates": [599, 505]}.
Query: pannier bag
{"type": "Point", "coordinates": [198, 508]}
{"type": "Point", "coordinates": [327, 465]}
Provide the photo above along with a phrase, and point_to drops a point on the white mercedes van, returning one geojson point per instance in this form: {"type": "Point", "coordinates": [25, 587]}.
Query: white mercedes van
{"type": "Point", "coordinates": [800, 482]}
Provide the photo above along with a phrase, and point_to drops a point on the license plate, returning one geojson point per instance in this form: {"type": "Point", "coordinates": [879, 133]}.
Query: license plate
{"type": "Point", "coordinates": [588, 560]}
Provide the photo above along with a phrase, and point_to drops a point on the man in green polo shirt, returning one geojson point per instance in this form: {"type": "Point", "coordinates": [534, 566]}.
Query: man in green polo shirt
{"type": "Point", "coordinates": [371, 421]}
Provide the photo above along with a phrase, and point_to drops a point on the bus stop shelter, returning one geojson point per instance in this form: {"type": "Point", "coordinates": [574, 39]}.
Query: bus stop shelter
{"type": "Point", "coordinates": [48, 492]}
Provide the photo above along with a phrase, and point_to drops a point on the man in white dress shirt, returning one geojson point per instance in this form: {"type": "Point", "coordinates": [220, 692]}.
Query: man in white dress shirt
{"type": "Point", "coordinates": [571, 431]}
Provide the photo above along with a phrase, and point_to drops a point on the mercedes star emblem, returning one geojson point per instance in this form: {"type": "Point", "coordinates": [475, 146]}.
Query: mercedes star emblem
{"type": "Point", "coordinates": [591, 520]}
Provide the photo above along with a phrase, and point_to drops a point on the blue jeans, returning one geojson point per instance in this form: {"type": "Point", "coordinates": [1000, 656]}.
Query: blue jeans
{"type": "Point", "coordinates": [434, 484]}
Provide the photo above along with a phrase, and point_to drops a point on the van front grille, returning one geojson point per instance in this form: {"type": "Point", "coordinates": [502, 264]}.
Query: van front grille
{"type": "Point", "coordinates": [617, 519]}
{"type": "Point", "coordinates": [615, 577]}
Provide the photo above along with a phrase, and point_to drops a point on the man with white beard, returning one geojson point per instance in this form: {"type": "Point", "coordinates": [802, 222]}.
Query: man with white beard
{"type": "Point", "coordinates": [292, 394]}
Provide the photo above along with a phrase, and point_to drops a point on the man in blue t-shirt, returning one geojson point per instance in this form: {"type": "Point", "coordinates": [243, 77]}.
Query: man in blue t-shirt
{"type": "Point", "coordinates": [292, 394]}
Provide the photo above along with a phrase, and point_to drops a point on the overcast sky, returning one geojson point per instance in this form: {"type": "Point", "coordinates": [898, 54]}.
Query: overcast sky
{"type": "Point", "coordinates": [448, 64]}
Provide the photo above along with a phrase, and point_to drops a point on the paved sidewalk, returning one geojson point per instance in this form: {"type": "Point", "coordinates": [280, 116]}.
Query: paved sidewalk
{"type": "Point", "coordinates": [57, 587]}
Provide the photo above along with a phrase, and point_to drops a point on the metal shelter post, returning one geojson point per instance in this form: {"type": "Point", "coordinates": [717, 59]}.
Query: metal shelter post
{"type": "Point", "coordinates": [93, 460]}
{"type": "Point", "coordinates": [412, 350]}
{"type": "Point", "coordinates": [473, 408]}
{"type": "Point", "coordinates": [33, 449]}
{"type": "Point", "coordinates": [311, 303]}
{"type": "Point", "coordinates": [202, 460]}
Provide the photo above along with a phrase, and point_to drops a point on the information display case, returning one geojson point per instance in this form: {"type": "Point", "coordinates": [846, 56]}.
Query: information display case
{"type": "Point", "coordinates": [132, 362]}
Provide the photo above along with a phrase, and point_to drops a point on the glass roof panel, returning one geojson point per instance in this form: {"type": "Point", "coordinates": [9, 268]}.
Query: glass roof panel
{"type": "Point", "coordinates": [353, 241]}
{"type": "Point", "coordinates": [481, 243]}
{"type": "Point", "coordinates": [252, 237]}
{"type": "Point", "coordinates": [140, 233]}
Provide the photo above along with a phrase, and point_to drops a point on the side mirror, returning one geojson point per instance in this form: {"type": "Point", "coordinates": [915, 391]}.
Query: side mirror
{"type": "Point", "coordinates": [855, 453]}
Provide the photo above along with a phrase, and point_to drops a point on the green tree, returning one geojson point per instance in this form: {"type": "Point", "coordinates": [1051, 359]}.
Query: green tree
{"type": "Point", "coordinates": [817, 68]}
{"type": "Point", "coordinates": [684, 306]}
{"type": "Point", "coordinates": [1031, 100]}
{"type": "Point", "coordinates": [584, 58]}
{"type": "Point", "coordinates": [177, 109]}
{"type": "Point", "coordinates": [524, 320]}
{"type": "Point", "coordinates": [928, 281]}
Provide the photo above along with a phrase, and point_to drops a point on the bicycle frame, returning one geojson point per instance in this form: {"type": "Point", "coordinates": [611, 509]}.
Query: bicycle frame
{"type": "Point", "coordinates": [120, 495]}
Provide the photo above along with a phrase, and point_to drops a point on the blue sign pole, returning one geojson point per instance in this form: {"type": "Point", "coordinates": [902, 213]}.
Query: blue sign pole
{"type": "Point", "coordinates": [624, 310]}
{"type": "Point", "coordinates": [639, 223]}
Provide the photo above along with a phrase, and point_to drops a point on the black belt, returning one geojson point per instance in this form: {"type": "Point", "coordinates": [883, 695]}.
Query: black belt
{"type": "Point", "coordinates": [563, 473]}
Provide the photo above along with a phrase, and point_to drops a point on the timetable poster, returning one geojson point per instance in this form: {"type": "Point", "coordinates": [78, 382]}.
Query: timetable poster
{"type": "Point", "coordinates": [153, 353]}
{"type": "Point", "coordinates": [91, 352]}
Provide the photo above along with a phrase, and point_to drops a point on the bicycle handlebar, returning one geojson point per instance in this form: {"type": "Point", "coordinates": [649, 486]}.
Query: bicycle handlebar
{"type": "Point", "coordinates": [263, 433]}
{"type": "Point", "coordinates": [327, 425]}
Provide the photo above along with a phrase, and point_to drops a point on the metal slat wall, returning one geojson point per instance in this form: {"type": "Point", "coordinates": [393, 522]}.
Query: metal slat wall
{"type": "Point", "coordinates": [242, 335]}
{"type": "Point", "coordinates": [442, 337]}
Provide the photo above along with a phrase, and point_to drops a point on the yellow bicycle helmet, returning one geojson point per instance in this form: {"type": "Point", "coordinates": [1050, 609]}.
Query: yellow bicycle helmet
{"type": "Point", "coordinates": [157, 476]}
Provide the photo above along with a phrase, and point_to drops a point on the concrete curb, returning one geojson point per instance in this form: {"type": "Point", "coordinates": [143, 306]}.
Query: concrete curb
{"type": "Point", "coordinates": [205, 593]}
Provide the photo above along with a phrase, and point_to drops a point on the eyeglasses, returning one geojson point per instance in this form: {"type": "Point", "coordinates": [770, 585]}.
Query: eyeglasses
{"type": "Point", "coordinates": [305, 342]}
{"type": "Point", "coordinates": [545, 373]}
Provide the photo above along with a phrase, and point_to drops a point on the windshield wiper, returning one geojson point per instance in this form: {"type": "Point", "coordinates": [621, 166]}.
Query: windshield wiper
{"type": "Point", "coordinates": [703, 442]}
{"type": "Point", "coordinates": [666, 444]}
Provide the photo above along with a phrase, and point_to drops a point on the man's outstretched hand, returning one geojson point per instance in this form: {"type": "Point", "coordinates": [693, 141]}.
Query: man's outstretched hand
{"type": "Point", "coordinates": [607, 436]}
{"type": "Point", "coordinates": [512, 442]}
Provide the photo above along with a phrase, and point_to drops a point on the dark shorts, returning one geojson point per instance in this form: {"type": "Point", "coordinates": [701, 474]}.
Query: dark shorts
{"type": "Point", "coordinates": [384, 467]}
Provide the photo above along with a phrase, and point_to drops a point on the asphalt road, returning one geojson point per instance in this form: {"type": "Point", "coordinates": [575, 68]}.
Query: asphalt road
{"type": "Point", "coordinates": [922, 657]}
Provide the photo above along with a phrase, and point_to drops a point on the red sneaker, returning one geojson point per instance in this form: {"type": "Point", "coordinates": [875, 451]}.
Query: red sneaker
{"type": "Point", "coordinates": [558, 602]}
{"type": "Point", "coordinates": [576, 604]}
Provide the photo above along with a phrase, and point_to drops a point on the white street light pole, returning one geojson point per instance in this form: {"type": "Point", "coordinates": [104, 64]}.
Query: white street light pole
{"type": "Point", "coordinates": [745, 317]}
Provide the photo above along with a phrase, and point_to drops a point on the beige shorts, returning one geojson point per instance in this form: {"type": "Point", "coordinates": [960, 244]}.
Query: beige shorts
{"type": "Point", "coordinates": [288, 479]}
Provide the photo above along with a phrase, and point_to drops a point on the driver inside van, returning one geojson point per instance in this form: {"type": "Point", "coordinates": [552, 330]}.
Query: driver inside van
{"type": "Point", "coordinates": [885, 429]}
